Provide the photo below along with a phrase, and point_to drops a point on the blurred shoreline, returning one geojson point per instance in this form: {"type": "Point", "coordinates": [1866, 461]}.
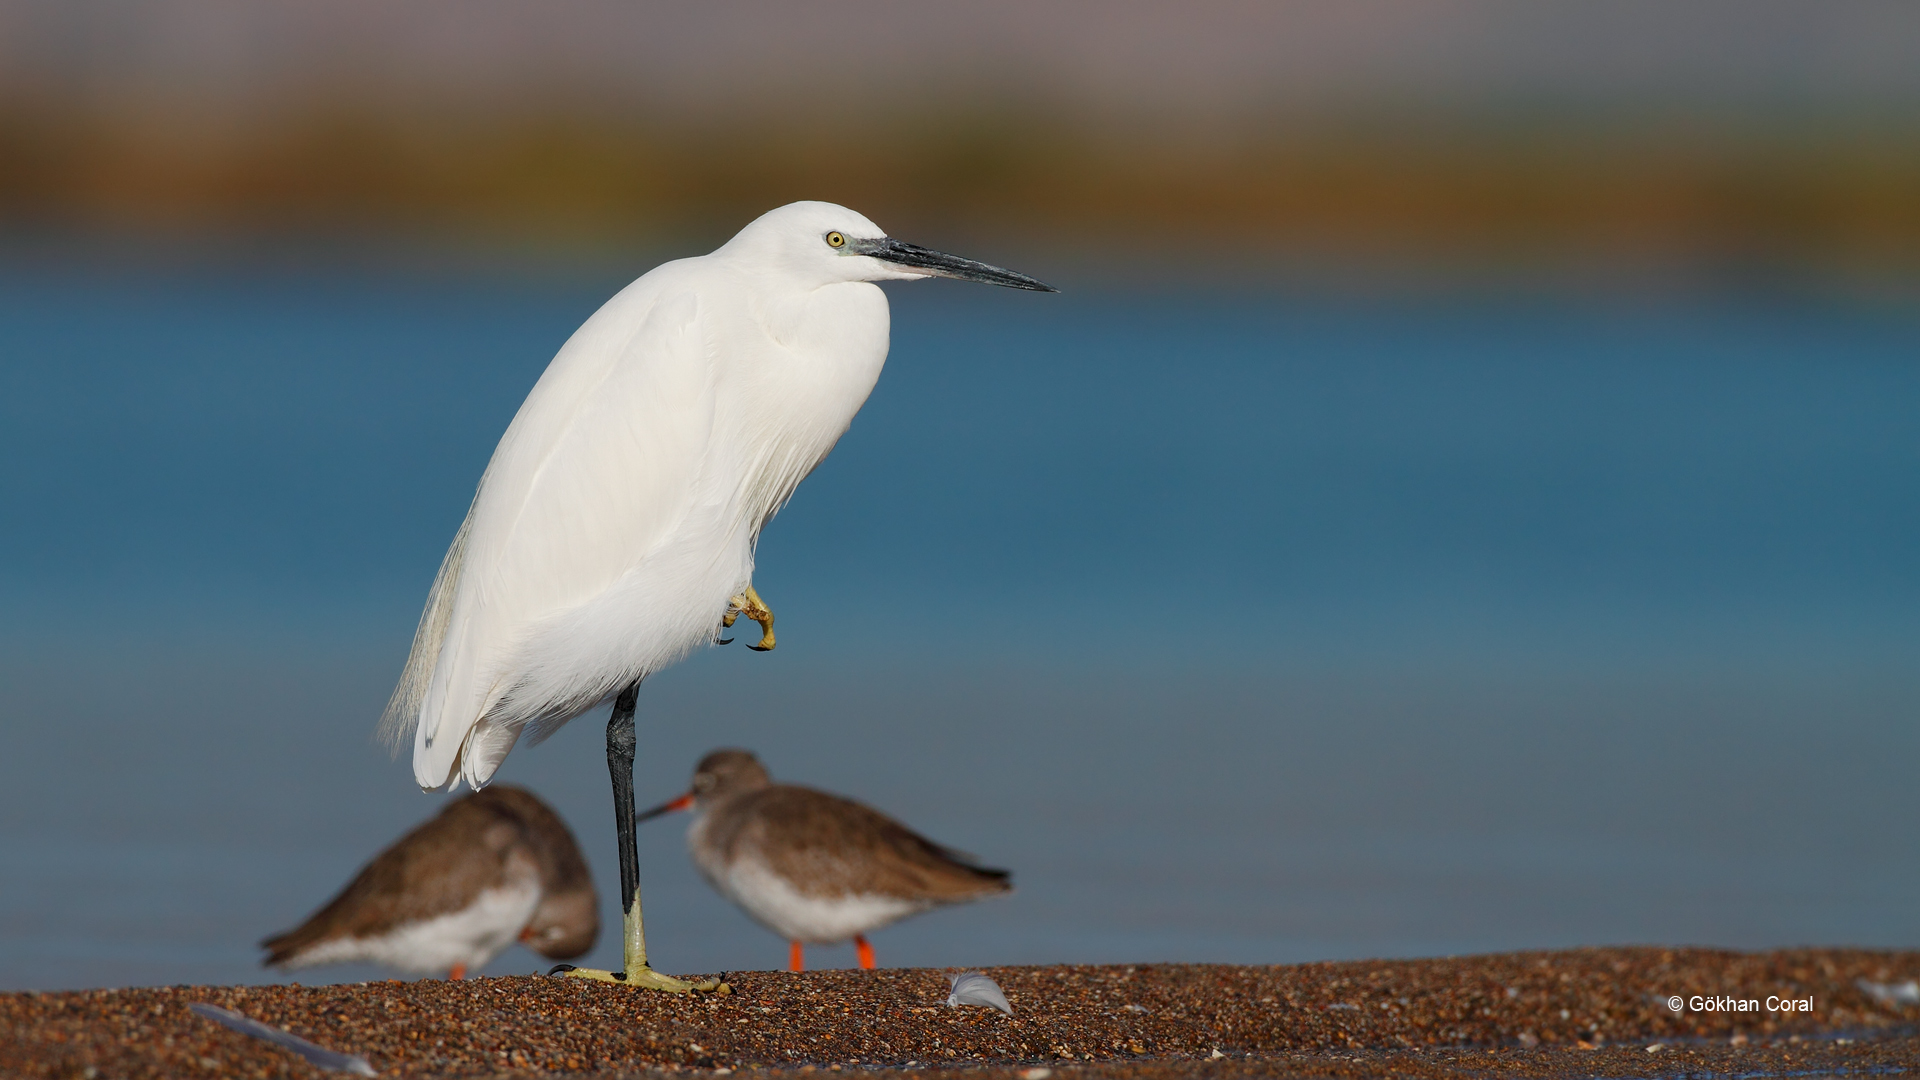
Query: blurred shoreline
{"type": "Point", "coordinates": [1428, 194]}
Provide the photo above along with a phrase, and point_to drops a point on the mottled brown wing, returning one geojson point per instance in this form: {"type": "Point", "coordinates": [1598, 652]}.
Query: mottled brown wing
{"type": "Point", "coordinates": [435, 869]}
{"type": "Point", "coordinates": [830, 846]}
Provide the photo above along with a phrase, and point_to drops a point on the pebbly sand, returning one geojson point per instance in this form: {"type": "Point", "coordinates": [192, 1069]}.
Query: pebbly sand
{"type": "Point", "coordinates": [1586, 1013]}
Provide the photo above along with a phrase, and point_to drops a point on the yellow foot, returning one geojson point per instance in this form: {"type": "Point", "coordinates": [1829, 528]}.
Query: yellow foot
{"type": "Point", "coordinates": [648, 979]}
{"type": "Point", "coordinates": [748, 603]}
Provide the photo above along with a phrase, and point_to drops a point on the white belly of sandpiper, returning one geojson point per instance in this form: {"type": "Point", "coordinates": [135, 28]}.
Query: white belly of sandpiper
{"type": "Point", "coordinates": [819, 920]}
{"type": "Point", "coordinates": [472, 936]}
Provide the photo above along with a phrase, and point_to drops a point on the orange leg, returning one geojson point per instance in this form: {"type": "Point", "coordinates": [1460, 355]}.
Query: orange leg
{"type": "Point", "coordinates": [797, 957]}
{"type": "Point", "coordinates": [459, 972]}
{"type": "Point", "coordinates": [865, 949]}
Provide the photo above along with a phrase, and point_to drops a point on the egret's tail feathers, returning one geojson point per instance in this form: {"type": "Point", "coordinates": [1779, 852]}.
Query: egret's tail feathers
{"type": "Point", "coordinates": [434, 772]}
{"type": "Point", "coordinates": [488, 744]}
{"type": "Point", "coordinates": [403, 709]}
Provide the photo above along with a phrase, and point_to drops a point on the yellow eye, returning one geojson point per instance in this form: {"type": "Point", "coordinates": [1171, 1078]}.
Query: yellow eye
{"type": "Point", "coordinates": [835, 240]}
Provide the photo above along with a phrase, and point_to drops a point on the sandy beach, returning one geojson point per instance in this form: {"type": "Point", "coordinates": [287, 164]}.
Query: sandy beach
{"type": "Point", "coordinates": [1597, 1012]}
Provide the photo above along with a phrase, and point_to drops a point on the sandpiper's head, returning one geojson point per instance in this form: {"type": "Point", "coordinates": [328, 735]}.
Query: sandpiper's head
{"type": "Point", "coordinates": [564, 925]}
{"type": "Point", "coordinates": [726, 773]}
{"type": "Point", "coordinates": [720, 775]}
{"type": "Point", "coordinates": [567, 920]}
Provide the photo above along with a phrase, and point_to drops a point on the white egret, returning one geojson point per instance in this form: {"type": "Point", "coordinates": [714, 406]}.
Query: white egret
{"type": "Point", "coordinates": [613, 531]}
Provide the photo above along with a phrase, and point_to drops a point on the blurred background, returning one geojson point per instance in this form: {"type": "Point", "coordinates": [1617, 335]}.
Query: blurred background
{"type": "Point", "coordinates": [1465, 497]}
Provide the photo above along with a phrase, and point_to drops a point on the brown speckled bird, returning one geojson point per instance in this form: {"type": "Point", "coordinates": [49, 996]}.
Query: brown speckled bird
{"type": "Point", "coordinates": [814, 867]}
{"type": "Point", "coordinates": [495, 866]}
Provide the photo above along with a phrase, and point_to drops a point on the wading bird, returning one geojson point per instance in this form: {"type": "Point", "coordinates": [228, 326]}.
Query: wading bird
{"type": "Point", "coordinates": [496, 866]}
{"type": "Point", "coordinates": [814, 867]}
{"type": "Point", "coordinates": [614, 529]}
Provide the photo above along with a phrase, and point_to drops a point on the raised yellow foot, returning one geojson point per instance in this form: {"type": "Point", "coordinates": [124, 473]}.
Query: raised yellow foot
{"type": "Point", "coordinates": [748, 603]}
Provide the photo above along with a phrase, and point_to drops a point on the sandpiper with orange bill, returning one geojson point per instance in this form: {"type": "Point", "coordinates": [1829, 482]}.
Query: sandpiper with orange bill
{"type": "Point", "coordinates": [812, 866]}
{"type": "Point", "coordinates": [493, 867]}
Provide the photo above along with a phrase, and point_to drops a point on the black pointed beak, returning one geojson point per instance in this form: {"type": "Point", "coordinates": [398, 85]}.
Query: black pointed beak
{"type": "Point", "coordinates": [684, 802]}
{"type": "Point", "coordinates": [941, 264]}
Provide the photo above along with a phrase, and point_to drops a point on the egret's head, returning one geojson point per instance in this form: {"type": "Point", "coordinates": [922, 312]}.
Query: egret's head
{"type": "Point", "coordinates": [819, 243]}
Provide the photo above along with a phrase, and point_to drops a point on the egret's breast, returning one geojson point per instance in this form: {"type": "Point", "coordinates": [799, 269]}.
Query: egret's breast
{"type": "Point", "coordinates": [795, 393]}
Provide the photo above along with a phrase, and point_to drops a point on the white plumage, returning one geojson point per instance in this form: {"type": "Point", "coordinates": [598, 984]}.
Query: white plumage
{"type": "Point", "coordinates": [620, 511]}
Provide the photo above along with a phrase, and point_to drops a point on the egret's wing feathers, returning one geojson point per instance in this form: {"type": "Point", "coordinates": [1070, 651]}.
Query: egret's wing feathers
{"type": "Point", "coordinates": [403, 708]}
{"type": "Point", "coordinates": [596, 472]}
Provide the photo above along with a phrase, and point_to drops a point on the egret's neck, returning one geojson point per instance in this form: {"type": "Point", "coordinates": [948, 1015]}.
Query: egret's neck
{"type": "Point", "coordinates": [829, 345]}
{"type": "Point", "coordinates": [836, 317]}
{"type": "Point", "coordinates": [793, 397]}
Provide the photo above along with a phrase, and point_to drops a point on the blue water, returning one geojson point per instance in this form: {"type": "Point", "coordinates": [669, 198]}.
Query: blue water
{"type": "Point", "coordinates": [1257, 626]}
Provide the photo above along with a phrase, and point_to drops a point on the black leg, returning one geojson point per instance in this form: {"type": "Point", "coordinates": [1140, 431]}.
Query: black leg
{"type": "Point", "coordinates": [620, 746]}
{"type": "Point", "coordinates": [633, 946]}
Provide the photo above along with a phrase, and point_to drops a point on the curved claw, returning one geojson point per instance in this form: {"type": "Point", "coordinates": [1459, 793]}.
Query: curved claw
{"type": "Point", "coordinates": [748, 603]}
